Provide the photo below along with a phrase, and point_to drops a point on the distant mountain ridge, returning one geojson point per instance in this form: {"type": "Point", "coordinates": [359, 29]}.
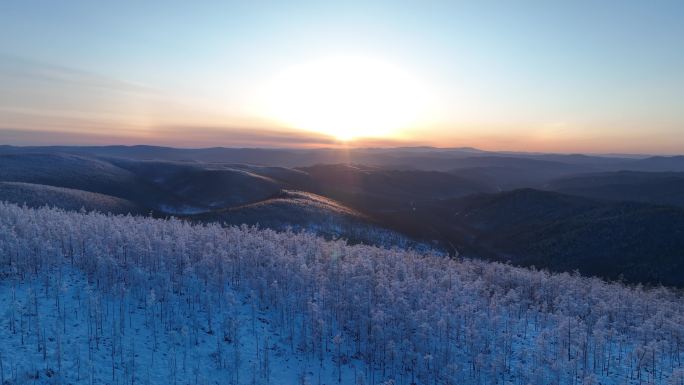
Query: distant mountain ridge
{"type": "Point", "coordinates": [638, 186]}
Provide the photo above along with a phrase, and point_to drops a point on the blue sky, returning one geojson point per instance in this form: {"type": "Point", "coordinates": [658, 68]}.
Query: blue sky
{"type": "Point", "coordinates": [531, 75]}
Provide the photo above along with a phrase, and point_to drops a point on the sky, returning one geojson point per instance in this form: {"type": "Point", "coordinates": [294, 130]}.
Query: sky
{"type": "Point", "coordinates": [556, 76]}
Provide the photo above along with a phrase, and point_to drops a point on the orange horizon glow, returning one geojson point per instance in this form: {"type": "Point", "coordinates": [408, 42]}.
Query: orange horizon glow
{"type": "Point", "coordinates": [253, 137]}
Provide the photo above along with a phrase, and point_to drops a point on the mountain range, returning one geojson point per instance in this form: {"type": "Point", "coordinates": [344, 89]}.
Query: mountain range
{"type": "Point", "coordinates": [616, 217]}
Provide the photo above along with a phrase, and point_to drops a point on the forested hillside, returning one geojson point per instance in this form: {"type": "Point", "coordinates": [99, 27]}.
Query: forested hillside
{"type": "Point", "coordinates": [663, 188]}
{"type": "Point", "coordinates": [90, 298]}
{"type": "Point", "coordinates": [37, 195]}
{"type": "Point", "coordinates": [634, 242]}
{"type": "Point", "coordinates": [585, 222]}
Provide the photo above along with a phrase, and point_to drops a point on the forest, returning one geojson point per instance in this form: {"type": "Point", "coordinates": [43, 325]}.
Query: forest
{"type": "Point", "coordinates": [95, 298]}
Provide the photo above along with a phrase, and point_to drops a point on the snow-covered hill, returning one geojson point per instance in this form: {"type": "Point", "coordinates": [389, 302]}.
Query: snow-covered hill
{"type": "Point", "coordinates": [95, 299]}
{"type": "Point", "coordinates": [37, 195]}
{"type": "Point", "coordinates": [299, 210]}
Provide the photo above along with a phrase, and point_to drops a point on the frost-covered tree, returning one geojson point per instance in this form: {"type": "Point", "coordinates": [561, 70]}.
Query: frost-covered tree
{"type": "Point", "coordinates": [165, 301]}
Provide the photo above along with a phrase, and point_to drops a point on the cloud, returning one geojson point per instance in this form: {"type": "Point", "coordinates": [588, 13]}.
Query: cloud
{"type": "Point", "coordinates": [39, 96]}
{"type": "Point", "coordinates": [238, 136]}
{"type": "Point", "coordinates": [21, 69]}
{"type": "Point", "coordinates": [24, 137]}
{"type": "Point", "coordinates": [189, 136]}
{"type": "Point", "coordinates": [186, 136]}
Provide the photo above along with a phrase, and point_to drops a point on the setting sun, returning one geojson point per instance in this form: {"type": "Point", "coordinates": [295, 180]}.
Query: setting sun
{"type": "Point", "coordinates": [346, 97]}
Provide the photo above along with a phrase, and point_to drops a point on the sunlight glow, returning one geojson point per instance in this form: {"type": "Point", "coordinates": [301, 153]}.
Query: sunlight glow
{"type": "Point", "coordinates": [347, 97]}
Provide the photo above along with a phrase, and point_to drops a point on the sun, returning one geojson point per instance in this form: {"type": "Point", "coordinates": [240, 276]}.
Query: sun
{"type": "Point", "coordinates": [346, 97]}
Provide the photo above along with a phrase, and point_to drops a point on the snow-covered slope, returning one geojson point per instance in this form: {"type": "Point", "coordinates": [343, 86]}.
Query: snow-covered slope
{"type": "Point", "coordinates": [299, 210]}
{"type": "Point", "coordinates": [37, 195]}
{"type": "Point", "coordinates": [65, 170]}
{"type": "Point", "coordinates": [90, 298]}
{"type": "Point", "coordinates": [81, 173]}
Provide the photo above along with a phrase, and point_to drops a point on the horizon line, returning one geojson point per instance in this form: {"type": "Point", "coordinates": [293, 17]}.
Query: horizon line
{"type": "Point", "coordinates": [351, 148]}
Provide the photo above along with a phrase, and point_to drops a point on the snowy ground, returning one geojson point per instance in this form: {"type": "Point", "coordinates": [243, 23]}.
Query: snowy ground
{"type": "Point", "coordinates": [38, 345]}
{"type": "Point", "coordinates": [95, 299]}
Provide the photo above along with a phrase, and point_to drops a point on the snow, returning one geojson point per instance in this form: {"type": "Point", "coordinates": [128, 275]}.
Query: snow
{"type": "Point", "coordinates": [88, 298]}
{"type": "Point", "coordinates": [182, 209]}
{"type": "Point", "coordinates": [176, 357]}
